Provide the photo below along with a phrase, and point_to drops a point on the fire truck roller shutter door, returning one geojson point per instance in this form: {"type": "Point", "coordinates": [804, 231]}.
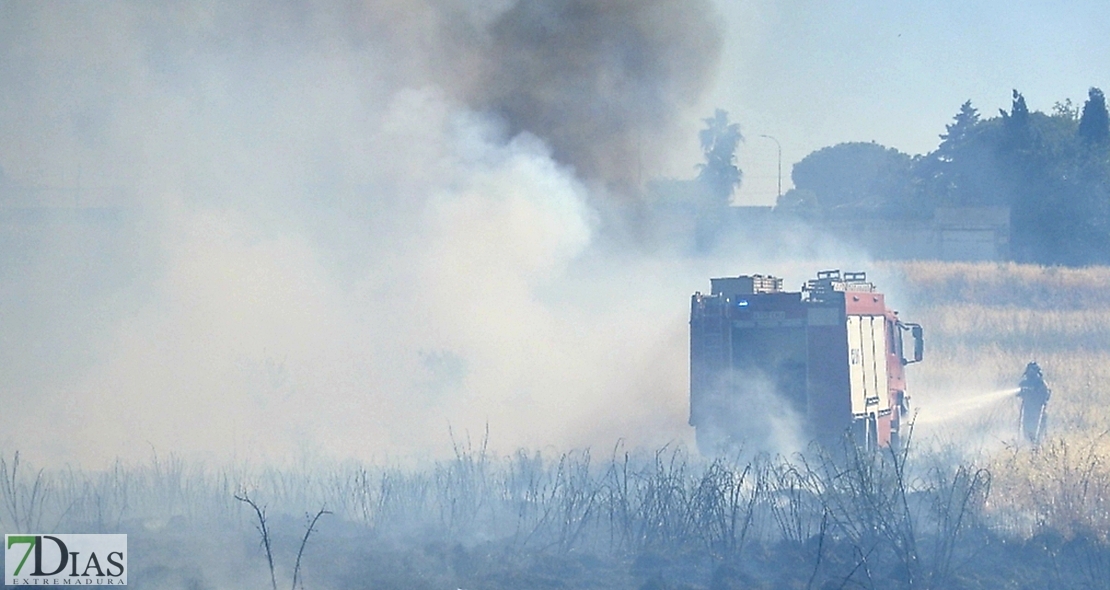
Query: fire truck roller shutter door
{"type": "Point", "coordinates": [881, 387]}
{"type": "Point", "coordinates": [855, 366]}
{"type": "Point", "coordinates": [867, 364]}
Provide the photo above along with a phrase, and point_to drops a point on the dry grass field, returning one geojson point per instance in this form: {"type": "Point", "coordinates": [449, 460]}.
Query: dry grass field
{"type": "Point", "coordinates": [968, 505]}
{"type": "Point", "coordinates": [984, 322]}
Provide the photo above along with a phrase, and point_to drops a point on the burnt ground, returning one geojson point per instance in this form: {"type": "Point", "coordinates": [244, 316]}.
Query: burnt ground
{"type": "Point", "coordinates": [340, 556]}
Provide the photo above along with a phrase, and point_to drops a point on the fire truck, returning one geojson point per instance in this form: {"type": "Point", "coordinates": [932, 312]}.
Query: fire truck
{"type": "Point", "coordinates": [831, 358]}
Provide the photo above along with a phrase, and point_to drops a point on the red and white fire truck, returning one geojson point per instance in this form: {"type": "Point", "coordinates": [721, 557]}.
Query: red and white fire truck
{"type": "Point", "coordinates": [831, 355]}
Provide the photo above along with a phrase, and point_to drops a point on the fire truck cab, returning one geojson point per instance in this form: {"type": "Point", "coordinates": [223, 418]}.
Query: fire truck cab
{"type": "Point", "coordinates": [831, 357]}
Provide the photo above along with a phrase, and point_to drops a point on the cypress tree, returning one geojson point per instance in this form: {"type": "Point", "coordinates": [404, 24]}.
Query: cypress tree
{"type": "Point", "coordinates": [1094, 125]}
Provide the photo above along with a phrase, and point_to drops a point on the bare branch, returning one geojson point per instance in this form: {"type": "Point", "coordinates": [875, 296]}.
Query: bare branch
{"type": "Point", "coordinates": [265, 532]}
{"type": "Point", "coordinates": [304, 541]}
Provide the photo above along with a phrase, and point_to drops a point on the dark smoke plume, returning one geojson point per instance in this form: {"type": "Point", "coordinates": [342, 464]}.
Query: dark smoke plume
{"type": "Point", "coordinates": [601, 81]}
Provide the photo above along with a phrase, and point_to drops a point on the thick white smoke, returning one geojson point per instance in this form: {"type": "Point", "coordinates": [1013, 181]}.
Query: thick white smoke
{"type": "Point", "coordinates": [253, 337]}
{"type": "Point", "coordinates": [252, 230]}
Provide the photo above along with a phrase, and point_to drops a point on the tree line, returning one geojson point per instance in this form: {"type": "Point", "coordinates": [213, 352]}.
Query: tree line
{"type": "Point", "coordinates": [1052, 170]}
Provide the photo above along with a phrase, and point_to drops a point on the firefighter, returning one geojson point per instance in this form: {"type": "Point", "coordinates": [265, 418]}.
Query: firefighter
{"type": "Point", "coordinates": [1034, 395]}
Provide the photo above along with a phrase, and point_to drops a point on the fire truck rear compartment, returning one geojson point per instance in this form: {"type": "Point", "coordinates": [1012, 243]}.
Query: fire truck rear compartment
{"type": "Point", "coordinates": [769, 355]}
{"type": "Point", "coordinates": [829, 357]}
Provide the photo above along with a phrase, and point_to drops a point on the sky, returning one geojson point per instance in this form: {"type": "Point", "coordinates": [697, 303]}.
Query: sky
{"type": "Point", "coordinates": [361, 228]}
{"type": "Point", "coordinates": [814, 74]}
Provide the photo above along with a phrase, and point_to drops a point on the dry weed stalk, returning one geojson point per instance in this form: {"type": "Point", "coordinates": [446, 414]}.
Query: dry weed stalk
{"type": "Point", "coordinates": [24, 504]}
{"type": "Point", "coordinates": [260, 512]}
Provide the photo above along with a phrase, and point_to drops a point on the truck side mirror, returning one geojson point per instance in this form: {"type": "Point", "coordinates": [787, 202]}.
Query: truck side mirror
{"type": "Point", "coordinates": [918, 343]}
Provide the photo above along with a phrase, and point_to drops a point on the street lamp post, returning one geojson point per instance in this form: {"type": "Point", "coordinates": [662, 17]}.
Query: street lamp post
{"type": "Point", "coordinates": [779, 145]}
